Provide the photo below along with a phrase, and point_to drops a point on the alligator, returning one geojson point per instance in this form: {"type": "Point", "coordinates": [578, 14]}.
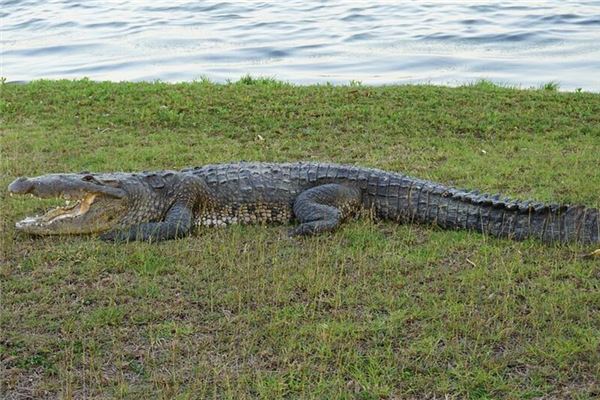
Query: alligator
{"type": "Point", "coordinates": [162, 205]}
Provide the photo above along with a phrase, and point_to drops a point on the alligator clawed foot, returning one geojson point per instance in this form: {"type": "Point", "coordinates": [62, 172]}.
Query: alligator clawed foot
{"type": "Point", "coordinates": [116, 236]}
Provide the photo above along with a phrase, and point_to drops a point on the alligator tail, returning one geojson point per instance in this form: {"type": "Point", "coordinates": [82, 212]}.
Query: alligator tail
{"type": "Point", "coordinates": [503, 217]}
{"type": "Point", "coordinates": [423, 201]}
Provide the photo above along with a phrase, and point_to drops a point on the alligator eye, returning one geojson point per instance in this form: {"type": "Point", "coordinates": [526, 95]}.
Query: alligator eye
{"type": "Point", "coordinates": [92, 178]}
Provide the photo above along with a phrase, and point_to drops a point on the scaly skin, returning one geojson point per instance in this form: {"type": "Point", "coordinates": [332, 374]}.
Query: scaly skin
{"type": "Point", "coordinates": [168, 204]}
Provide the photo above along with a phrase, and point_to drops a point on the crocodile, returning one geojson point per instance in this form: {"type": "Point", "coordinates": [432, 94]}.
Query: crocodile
{"type": "Point", "coordinates": [162, 205]}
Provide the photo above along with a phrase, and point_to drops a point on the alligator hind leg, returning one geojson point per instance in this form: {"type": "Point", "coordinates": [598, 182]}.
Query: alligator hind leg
{"type": "Point", "coordinates": [322, 208]}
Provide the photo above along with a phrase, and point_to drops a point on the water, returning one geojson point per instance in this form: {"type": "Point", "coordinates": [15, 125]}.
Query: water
{"type": "Point", "coordinates": [523, 43]}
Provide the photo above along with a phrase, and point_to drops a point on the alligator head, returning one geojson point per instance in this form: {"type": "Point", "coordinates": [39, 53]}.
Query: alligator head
{"type": "Point", "coordinates": [95, 202]}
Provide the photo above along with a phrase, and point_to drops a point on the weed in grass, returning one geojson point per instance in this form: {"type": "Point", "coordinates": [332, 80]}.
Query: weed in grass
{"type": "Point", "coordinates": [551, 86]}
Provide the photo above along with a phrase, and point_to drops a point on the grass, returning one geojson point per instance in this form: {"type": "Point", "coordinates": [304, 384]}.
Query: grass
{"type": "Point", "coordinates": [375, 310]}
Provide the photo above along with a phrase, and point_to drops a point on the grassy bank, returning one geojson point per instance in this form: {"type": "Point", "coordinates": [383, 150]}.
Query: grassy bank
{"type": "Point", "coordinates": [375, 310]}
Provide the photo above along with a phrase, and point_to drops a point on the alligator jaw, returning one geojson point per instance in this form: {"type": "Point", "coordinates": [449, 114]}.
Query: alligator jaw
{"type": "Point", "coordinates": [100, 203]}
{"type": "Point", "coordinates": [67, 186]}
{"type": "Point", "coordinates": [79, 208]}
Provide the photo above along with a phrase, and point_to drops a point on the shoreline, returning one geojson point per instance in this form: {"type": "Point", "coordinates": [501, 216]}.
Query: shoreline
{"type": "Point", "coordinates": [551, 85]}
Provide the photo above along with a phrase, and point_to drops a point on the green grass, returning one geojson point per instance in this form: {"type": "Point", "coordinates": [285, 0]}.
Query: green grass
{"type": "Point", "coordinates": [374, 310]}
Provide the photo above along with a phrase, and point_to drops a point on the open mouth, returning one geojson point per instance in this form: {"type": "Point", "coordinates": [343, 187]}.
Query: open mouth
{"type": "Point", "coordinates": [69, 210]}
{"type": "Point", "coordinates": [92, 204]}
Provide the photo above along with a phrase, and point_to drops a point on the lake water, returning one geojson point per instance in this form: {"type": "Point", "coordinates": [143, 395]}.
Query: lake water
{"type": "Point", "coordinates": [523, 43]}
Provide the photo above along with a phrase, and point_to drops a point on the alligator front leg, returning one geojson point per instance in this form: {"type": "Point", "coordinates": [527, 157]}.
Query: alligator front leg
{"type": "Point", "coordinates": [322, 208]}
{"type": "Point", "coordinates": [177, 223]}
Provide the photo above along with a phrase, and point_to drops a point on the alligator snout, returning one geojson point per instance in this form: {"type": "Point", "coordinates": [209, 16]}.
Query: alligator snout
{"type": "Point", "coordinates": [20, 185]}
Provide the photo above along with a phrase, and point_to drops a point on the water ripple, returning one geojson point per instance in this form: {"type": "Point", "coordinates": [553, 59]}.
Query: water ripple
{"type": "Point", "coordinates": [51, 50]}
{"type": "Point", "coordinates": [514, 42]}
